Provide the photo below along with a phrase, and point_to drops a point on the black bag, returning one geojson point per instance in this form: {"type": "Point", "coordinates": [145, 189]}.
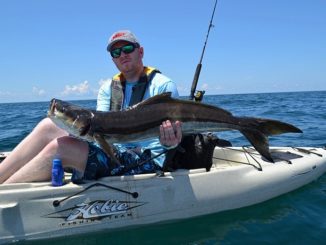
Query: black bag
{"type": "Point", "coordinates": [194, 151]}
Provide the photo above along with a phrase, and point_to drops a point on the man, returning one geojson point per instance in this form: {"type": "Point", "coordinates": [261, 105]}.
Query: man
{"type": "Point", "coordinates": [32, 159]}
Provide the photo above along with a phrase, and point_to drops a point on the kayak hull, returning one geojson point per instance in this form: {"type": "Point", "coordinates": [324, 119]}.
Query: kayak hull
{"type": "Point", "coordinates": [238, 178]}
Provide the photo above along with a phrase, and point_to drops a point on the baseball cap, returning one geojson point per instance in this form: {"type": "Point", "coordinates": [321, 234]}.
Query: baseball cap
{"type": "Point", "coordinates": [123, 35]}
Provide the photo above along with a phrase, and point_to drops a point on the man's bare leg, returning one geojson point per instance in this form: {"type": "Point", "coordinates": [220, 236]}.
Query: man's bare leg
{"type": "Point", "coordinates": [72, 152]}
{"type": "Point", "coordinates": [28, 148]}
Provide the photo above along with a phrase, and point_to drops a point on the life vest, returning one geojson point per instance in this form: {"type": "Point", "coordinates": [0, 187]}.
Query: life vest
{"type": "Point", "coordinates": [118, 88]}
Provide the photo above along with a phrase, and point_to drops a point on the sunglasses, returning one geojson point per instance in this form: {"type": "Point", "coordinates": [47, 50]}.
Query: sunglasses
{"type": "Point", "coordinates": [127, 49]}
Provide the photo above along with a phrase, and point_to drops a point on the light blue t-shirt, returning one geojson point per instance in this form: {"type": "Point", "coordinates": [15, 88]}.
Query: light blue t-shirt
{"type": "Point", "coordinates": [158, 85]}
{"type": "Point", "coordinates": [127, 94]}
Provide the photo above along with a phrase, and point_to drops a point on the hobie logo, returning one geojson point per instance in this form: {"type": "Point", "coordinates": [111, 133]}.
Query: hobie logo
{"type": "Point", "coordinates": [98, 209]}
{"type": "Point", "coordinates": [84, 213]}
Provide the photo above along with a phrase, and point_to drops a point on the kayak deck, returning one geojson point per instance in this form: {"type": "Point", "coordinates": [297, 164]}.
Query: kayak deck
{"type": "Point", "coordinates": [239, 177]}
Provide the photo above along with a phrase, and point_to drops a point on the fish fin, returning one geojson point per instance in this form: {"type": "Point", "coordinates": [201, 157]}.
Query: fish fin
{"type": "Point", "coordinates": [275, 127]}
{"type": "Point", "coordinates": [160, 98]}
{"type": "Point", "coordinates": [166, 97]}
{"type": "Point", "coordinates": [259, 142]}
{"type": "Point", "coordinates": [270, 127]}
{"type": "Point", "coordinates": [108, 149]}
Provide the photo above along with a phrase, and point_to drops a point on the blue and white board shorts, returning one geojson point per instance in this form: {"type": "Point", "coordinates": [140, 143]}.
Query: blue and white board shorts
{"type": "Point", "coordinates": [98, 164]}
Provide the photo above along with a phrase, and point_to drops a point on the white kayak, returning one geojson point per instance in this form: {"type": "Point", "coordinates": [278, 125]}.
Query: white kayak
{"type": "Point", "coordinates": [239, 177]}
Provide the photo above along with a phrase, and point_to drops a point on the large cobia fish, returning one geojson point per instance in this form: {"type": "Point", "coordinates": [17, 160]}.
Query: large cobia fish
{"type": "Point", "coordinates": [142, 121]}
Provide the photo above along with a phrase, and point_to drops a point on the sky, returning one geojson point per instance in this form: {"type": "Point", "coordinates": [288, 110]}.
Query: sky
{"type": "Point", "coordinates": [57, 48]}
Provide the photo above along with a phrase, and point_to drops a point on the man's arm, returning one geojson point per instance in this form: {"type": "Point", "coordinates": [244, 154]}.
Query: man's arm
{"type": "Point", "coordinates": [104, 97]}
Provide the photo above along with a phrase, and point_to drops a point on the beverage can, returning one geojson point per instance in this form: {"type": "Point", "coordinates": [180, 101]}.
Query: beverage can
{"type": "Point", "coordinates": [57, 172]}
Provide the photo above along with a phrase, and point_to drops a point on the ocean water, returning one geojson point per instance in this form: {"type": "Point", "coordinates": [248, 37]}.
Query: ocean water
{"type": "Point", "coordinates": [298, 217]}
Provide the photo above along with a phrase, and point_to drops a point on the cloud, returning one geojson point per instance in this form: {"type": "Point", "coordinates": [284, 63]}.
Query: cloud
{"type": "Point", "coordinates": [5, 93]}
{"type": "Point", "coordinates": [79, 89]}
{"type": "Point", "coordinates": [183, 90]}
{"type": "Point", "coordinates": [102, 81]}
{"type": "Point", "coordinates": [205, 86]}
{"type": "Point", "coordinates": [218, 88]}
{"type": "Point", "coordinates": [38, 91]}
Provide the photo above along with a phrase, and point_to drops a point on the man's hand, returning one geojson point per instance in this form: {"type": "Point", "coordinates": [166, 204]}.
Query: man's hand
{"type": "Point", "coordinates": [170, 133]}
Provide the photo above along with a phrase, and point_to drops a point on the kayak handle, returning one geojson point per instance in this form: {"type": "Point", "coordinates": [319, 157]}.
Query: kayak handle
{"type": "Point", "coordinates": [56, 203]}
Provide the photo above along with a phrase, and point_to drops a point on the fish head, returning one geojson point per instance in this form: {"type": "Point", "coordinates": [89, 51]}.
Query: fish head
{"type": "Point", "coordinates": [72, 118]}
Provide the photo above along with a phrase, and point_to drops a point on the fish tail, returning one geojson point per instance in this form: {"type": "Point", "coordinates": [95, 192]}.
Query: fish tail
{"type": "Point", "coordinates": [257, 130]}
{"type": "Point", "coordinates": [275, 127]}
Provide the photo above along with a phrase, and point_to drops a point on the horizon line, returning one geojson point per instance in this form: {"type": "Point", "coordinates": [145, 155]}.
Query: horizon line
{"type": "Point", "coordinates": [240, 93]}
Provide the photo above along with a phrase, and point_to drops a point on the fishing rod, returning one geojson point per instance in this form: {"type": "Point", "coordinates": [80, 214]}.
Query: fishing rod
{"type": "Point", "coordinates": [199, 95]}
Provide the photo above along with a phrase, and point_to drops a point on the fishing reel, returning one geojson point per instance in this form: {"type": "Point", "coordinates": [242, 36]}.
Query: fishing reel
{"type": "Point", "coordinates": [199, 95]}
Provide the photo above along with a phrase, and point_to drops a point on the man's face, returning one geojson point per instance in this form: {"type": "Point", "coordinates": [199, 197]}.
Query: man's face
{"type": "Point", "coordinates": [127, 62]}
